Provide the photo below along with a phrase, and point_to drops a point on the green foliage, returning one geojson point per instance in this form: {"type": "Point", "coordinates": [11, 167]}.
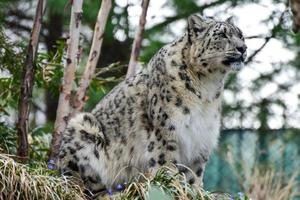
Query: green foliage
{"type": "Point", "coordinates": [40, 138]}
{"type": "Point", "coordinates": [95, 92]}
{"type": "Point", "coordinates": [11, 59]}
{"type": "Point", "coordinates": [39, 141]}
{"type": "Point", "coordinates": [104, 80]}
{"type": "Point", "coordinates": [183, 6]}
{"type": "Point", "coordinates": [50, 69]}
{"type": "Point", "coordinates": [8, 138]}
{"type": "Point", "coordinates": [91, 8]}
{"type": "Point", "coordinates": [59, 6]}
{"type": "Point", "coordinates": [151, 50]}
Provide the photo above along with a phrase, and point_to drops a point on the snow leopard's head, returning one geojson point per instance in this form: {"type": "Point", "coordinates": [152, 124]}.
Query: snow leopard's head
{"type": "Point", "coordinates": [215, 45]}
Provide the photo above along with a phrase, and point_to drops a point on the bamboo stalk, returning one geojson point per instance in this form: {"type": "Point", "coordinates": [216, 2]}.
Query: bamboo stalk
{"type": "Point", "coordinates": [94, 54]}
{"type": "Point", "coordinates": [63, 109]}
{"type": "Point", "coordinates": [136, 47]}
{"type": "Point", "coordinates": [27, 83]}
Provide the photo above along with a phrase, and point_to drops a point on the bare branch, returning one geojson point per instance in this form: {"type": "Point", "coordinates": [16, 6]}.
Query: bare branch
{"type": "Point", "coordinates": [27, 83]}
{"type": "Point", "coordinates": [254, 37]}
{"type": "Point", "coordinates": [18, 13]}
{"type": "Point", "coordinates": [183, 15]}
{"type": "Point", "coordinates": [136, 47]}
{"type": "Point", "coordinates": [268, 38]}
{"type": "Point", "coordinates": [113, 70]}
{"type": "Point", "coordinates": [16, 27]}
{"type": "Point", "coordinates": [94, 54]}
{"type": "Point", "coordinates": [250, 58]}
{"type": "Point", "coordinates": [63, 108]}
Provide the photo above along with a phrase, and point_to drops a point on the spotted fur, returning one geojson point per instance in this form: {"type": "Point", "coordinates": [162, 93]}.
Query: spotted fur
{"type": "Point", "coordinates": [167, 113]}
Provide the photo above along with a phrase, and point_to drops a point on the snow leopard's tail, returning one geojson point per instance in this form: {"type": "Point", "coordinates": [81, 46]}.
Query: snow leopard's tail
{"type": "Point", "coordinates": [82, 145]}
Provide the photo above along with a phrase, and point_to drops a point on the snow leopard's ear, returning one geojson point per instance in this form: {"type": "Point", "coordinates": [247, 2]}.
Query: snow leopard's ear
{"type": "Point", "coordinates": [196, 25]}
{"type": "Point", "coordinates": [230, 20]}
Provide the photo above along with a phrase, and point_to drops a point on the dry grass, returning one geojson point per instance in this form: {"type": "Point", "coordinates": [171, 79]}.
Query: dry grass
{"type": "Point", "coordinates": [19, 182]}
{"type": "Point", "coordinates": [264, 182]}
{"type": "Point", "coordinates": [170, 184]}
{"type": "Point", "coordinates": [269, 185]}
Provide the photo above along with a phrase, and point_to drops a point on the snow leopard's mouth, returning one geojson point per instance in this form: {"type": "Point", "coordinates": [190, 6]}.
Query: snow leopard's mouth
{"type": "Point", "coordinates": [235, 63]}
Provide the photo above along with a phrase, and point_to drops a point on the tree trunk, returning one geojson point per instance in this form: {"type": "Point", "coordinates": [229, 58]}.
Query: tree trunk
{"type": "Point", "coordinates": [27, 83]}
{"type": "Point", "coordinates": [136, 47]}
{"type": "Point", "coordinates": [93, 56]}
{"type": "Point", "coordinates": [295, 7]}
{"type": "Point", "coordinates": [63, 109]}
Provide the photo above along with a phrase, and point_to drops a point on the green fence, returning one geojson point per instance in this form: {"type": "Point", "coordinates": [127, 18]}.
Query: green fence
{"type": "Point", "coordinates": [230, 168]}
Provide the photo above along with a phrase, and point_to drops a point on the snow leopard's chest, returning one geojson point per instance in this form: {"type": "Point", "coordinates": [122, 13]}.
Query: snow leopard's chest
{"type": "Point", "coordinates": [198, 132]}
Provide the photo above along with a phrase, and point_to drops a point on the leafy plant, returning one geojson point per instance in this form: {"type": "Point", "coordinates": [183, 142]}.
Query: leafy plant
{"type": "Point", "coordinates": [11, 59]}
{"type": "Point", "coordinates": [8, 139]}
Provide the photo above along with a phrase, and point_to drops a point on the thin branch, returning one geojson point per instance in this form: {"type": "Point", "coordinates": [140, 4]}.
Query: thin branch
{"type": "Point", "coordinates": [182, 15]}
{"type": "Point", "coordinates": [251, 57]}
{"type": "Point", "coordinates": [113, 70]}
{"type": "Point", "coordinates": [268, 38]}
{"type": "Point", "coordinates": [27, 83]}
{"type": "Point", "coordinates": [16, 27]}
{"type": "Point", "coordinates": [63, 108]}
{"type": "Point", "coordinates": [20, 14]}
{"type": "Point", "coordinates": [136, 47]}
{"type": "Point", "coordinates": [254, 37]}
{"type": "Point", "coordinates": [94, 54]}
{"type": "Point", "coordinates": [106, 69]}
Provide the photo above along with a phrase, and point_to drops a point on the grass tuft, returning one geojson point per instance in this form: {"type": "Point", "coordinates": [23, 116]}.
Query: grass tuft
{"type": "Point", "coordinates": [21, 182]}
{"type": "Point", "coordinates": [271, 185]}
{"type": "Point", "coordinates": [168, 183]}
{"type": "Point", "coordinates": [24, 182]}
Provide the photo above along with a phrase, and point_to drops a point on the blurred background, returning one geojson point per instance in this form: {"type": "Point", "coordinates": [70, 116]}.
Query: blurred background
{"type": "Point", "coordinates": [260, 141]}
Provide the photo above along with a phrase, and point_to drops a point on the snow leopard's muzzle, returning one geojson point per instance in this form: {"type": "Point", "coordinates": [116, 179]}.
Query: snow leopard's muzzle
{"type": "Point", "coordinates": [236, 61]}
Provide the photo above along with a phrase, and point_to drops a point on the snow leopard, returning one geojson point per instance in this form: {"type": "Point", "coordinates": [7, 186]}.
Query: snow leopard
{"type": "Point", "coordinates": [167, 113]}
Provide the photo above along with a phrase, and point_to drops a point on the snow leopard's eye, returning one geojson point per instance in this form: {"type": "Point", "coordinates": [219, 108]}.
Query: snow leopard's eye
{"type": "Point", "coordinates": [240, 34]}
{"type": "Point", "coordinates": [242, 37]}
{"type": "Point", "coordinates": [223, 35]}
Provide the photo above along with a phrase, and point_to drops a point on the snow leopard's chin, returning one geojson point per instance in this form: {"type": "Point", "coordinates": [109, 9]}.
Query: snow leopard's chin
{"type": "Point", "coordinates": [236, 66]}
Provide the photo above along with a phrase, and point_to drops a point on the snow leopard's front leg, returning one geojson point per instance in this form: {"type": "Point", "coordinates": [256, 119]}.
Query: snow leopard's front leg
{"type": "Point", "coordinates": [169, 154]}
{"type": "Point", "coordinates": [161, 152]}
{"type": "Point", "coordinates": [197, 166]}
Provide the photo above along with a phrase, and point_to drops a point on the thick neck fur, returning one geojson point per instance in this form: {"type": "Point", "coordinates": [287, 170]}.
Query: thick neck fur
{"type": "Point", "coordinates": [204, 82]}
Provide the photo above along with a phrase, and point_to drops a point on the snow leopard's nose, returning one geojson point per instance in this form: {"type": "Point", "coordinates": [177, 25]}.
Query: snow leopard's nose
{"type": "Point", "coordinates": [242, 49]}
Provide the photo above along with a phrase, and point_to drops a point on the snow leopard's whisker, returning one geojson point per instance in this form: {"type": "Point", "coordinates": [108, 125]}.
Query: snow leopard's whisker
{"type": "Point", "coordinates": [213, 56]}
